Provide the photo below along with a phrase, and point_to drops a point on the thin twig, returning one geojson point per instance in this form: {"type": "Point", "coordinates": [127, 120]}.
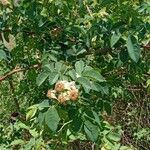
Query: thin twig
{"type": "Point", "coordinates": [146, 46]}
{"type": "Point", "coordinates": [18, 70]}
{"type": "Point", "coordinates": [89, 11]}
{"type": "Point", "coordinates": [64, 125]}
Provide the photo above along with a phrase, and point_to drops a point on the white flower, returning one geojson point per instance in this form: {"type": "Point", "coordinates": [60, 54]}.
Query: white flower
{"type": "Point", "coordinates": [70, 85]}
{"type": "Point", "coordinates": [64, 91]}
{"type": "Point", "coordinates": [64, 85]}
{"type": "Point", "coordinates": [51, 94]}
{"type": "Point", "coordinates": [62, 97]}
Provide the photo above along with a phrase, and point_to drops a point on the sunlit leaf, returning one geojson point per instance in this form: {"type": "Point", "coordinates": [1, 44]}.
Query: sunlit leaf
{"type": "Point", "coordinates": [94, 74]}
{"type": "Point", "coordinates": [79, 66]}
{"type": "Point", "coordinates": [91, 130]}
{"type": "Point", "coordinates": [3, 55]}
{"type": "Point", "coordinates": [114, 38]}
{"type": "Point", "coordinates": [41, 78]}
{"type": "Point", "coordinates": [133, 48]}
{"type": "Point", "coordinates": [31, 113]}
{"type": "Point", "coordinates": [52, 118]}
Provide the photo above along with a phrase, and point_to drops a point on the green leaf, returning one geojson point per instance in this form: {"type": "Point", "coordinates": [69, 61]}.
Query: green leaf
{"type": "Point", "coordinates": [31, 113]}
{"type": "Point", "coordinates": [125, 148]}
{"type": "Point", "coordinates": [17, 142]}
{"type": "Point", "coordinates": [30, 144]}
{"type": "Point", "coordinates": [58, 66]}
{"type": "Point", "coordinates": [53, 77]}
{"type": "Point", "coordinates": [3, 55]}
{"type": "Point", "coordinates": [91, 130]}
{"type": "Point", "coordinates": [41, 78]}
{"type": "Point", "coordinates": [43, 104]}
{"type": "Point", "coordinates": [114, 137]}
{"type": "Point", "coordinates": [88, 68]}
{"type": "Point", "coordinates": [81, 51]}
{"type": "Point", "coordinates": [23, 126]}
{"type": "Point", "coordinates": [41, 118]}
{"type": "Point", "coordinates": [94, 74]}
{"type": "Point", "coordinates": [116, 146]}
{"type": "Point", "coordinates": [72, 74]}
{"type": "Point", "coordinates": [97, 87]}
{"type": "Point", "coordinates": [114, 38]}
{"type": "Point", "coordinates": [52, 118]}
{"type": "Point", "coordinates": [148, 83]}
{"type": "Point", "coordinates": [133, 48]}
{"type": "Point", "coordinates": [96, 117]}
{"type": "Point", "coordinates": [79, 67]}
{"type": "Point", "coordinates": [50, 67]}
{"type": "Point", "coordinates": [84, 82]}
{"type": "Point", "coordinates": [34, 133]}
{"type": "Point", "coordinates": [3, 147]}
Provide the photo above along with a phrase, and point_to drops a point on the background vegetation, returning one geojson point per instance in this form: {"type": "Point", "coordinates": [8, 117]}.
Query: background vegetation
{"type": "Point", "coordinates": [101, 45]}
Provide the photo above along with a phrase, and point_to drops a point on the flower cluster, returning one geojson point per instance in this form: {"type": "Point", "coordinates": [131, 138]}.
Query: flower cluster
{"type": "Point", "coordinates": [64, 91]}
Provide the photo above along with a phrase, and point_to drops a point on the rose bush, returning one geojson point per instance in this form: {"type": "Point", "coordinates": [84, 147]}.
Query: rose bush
{"type": "Point", "coordinates": [71, 69]}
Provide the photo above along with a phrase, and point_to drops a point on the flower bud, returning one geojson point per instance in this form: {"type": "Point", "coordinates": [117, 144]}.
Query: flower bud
{"type": "Point", "coordinates": [59, 86]}
{"type": "Point", "coordinates": [51, 94]}
{"type": "Point", "coordinates": [62, 97]}
{"type": "Point", "coordinates": [73, 94]}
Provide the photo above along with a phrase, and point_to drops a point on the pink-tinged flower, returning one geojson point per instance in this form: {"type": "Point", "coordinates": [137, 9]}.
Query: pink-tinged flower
{"type": "Point", "coordinates": [73, 94]}
{"type": "Point", "coordinates": [4, 2]}
{"type": "Point", "coordinates": [62, 97]}
{"type": "Point", "coordinates": [60, 86]}
{"type": "Point", "coordinates": [66, 91]}
{"type": "Point", "coordinates": [51, 94]}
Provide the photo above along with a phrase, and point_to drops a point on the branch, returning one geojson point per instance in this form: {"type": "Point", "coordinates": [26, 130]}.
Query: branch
{"type": "Point", "coordinates": [146, 47]}
{"type": "Point", "coordinates": [89, 11]}
{"type": "Point", "coordinates": [18, 70]}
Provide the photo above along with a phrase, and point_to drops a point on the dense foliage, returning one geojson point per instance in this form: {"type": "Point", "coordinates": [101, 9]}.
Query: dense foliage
{"type": "Point", "coordinates": [75, 74]}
